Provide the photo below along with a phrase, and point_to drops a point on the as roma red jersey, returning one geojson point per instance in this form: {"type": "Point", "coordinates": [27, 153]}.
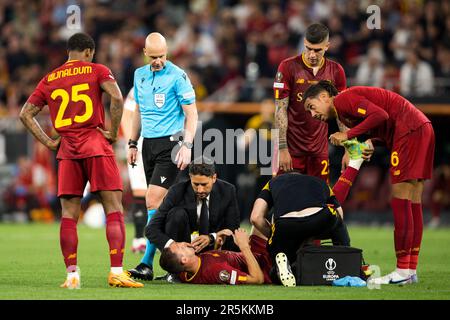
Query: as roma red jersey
{"type": "Point", "coordinates": [378, 112]}
{"type": "Point", "coordinates": [224, 267]}
{"type": "Point", "coordinates": [73, 95]}
{"type": "Point", "coordinates": [305, 135]}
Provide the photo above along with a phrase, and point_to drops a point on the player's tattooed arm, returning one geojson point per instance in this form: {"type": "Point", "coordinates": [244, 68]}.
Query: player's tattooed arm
{"type": "Point", "coordinates": [281, 121]}
{"type": "Point", "coordinates": [116, 109]}
{"type": "Point", "coordinates": [27, 116]}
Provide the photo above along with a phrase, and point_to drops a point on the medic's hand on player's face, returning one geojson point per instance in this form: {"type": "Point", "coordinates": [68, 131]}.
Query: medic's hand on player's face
{"type": "Point", "coordinates": [54, 144]}
{"type": "Point", "coordinates": [338, 137]}
{"type": "Point", "coordinates": [200, 242]}
{"type": "Point", "coordinates": [285, 160]}
{"type": "Point", "coordinates": [241, 238]}
{"type": "Point", "coordinates": [183, 157]}
{"type": "Point", "coordinates": [108, 135]}
{"type": "Point", "coordinates": [368, 152]}
{"type": "Point", "coordinates": [221, 236]}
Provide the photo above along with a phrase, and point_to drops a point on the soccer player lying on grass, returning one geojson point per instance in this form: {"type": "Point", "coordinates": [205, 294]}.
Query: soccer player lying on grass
{"type": "Point", "coordinates": [253, 265]}
{"type": "Point", "coordinates": [250, 266]}
{"type": "Point", "coordinates": [408, 134]}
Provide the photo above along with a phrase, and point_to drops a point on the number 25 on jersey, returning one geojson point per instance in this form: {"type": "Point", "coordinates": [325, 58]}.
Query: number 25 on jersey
{"type": "Point", "coordinates": [75, 96]}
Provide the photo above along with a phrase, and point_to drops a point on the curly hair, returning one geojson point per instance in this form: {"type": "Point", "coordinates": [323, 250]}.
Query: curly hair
{"type": "Point", "coordinates": [80, 42]}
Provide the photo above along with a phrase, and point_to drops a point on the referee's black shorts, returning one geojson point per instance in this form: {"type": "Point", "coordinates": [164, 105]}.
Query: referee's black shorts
{"type": "Point", "coordinates": [288, 234]}
{"type": "Point", "coordinates": [157, 157]}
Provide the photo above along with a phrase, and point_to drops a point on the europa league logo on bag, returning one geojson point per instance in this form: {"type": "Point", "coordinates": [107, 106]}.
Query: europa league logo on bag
{"type": "Point", "coordinates": [330, 264]}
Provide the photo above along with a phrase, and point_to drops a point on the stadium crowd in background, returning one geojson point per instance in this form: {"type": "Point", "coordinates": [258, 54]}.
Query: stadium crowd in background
{"type": "Point", "coordinates": [223, 43]}
{"type": "Point", "coordinates": [231, 48]}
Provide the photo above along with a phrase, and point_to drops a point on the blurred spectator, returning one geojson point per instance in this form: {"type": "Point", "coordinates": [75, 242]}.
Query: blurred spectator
{"type": "Point", "coordinates": [337, 39]}
{"type": "Point", "coordinates": [402, 37]}
{"type": "Point", "coordinates": [370, 71]}
{"type": "Point", "coordinates": [212, 36]}
{"type": "Point", "coordinates": [443, 70]}
{"type": "Point", "coordinates": [391, 79]}
{"type": "Point", "coordinates": [416, 77]}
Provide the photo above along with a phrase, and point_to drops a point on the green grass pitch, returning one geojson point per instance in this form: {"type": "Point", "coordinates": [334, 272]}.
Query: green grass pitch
{"type": "Point", "coordinates": [31, 267]}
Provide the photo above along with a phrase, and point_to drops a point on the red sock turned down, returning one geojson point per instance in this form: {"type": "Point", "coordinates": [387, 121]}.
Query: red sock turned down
{"type": "Point", "coordinates": [115, 233]}
{"type": "Point", "coordinates": [417, 236]}
{"type": "Point", "coordinates": [345, 181]}
{"type": "Point", "coordinates": [68, 239]}
{"type": "Point", "coordinates": [403, 232]}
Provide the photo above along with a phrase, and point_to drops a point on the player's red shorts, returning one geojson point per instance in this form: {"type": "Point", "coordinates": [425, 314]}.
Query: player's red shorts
{"type": "Point", "coordinates": [102, 173]}
{"type": "Point", "coordinates": [259, 246]}
{"type": "Point", "coordinates": [412, 155]}
{"type": "Point", "coordinates": [313, 166]}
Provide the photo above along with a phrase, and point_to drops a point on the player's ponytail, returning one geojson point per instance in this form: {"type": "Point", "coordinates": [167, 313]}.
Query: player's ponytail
{"type": "Point", "coordinates": [323, 85]}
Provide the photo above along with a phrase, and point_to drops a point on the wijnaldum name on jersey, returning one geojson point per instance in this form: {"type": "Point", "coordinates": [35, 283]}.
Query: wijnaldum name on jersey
{"type": "Point", "coordinates": [75, 71]}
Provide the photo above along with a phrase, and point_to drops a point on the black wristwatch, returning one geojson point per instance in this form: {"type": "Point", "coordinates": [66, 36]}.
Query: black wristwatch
{"type": "Point", "coordinates": [132, 144]}
{"type": "Point", "coordinates": [212, 240]}
{"type": "Point", "coordinates": [188, 145]}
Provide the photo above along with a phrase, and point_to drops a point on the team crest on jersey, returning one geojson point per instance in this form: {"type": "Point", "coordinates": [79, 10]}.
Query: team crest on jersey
{"type": "Point", "coordinates": [224, 275]}
{"type": "Point", "coordinates": [279, 76]}
{"type": "Point", "coordinates": [160, 99]}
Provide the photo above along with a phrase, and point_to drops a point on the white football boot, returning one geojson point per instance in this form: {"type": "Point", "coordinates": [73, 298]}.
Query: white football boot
{"type": "Point", "coordinates": [392, 278]}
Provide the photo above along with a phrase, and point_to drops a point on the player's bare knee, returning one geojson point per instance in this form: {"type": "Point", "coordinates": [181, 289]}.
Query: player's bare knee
{"type": "Point", "coordinates": [154, 196]}
{"type": "Point", "coordinates": [112, 201]}
{"type": "Point", "coordinates": [403, 190]}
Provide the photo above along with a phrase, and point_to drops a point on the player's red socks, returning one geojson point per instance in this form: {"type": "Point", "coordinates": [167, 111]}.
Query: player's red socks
{"type": "Point", "coordinates": [403, 232]}
{"type": "Point", "coordinates": [417, 236]}
{"type": "Point", "coordinates": [345, 181]}
{"type": "Point", "coordinates": [68, 240]}
{"type": "Point", "coordinates": [115, 233]}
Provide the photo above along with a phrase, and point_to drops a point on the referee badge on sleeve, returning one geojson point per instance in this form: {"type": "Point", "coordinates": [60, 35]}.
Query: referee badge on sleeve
{"type": "Point", "coordinates": [160, 99]}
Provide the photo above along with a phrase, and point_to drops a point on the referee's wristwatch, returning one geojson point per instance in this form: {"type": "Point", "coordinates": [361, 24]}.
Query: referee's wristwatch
{"type": "Point", "coordinates": [188, 145]}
